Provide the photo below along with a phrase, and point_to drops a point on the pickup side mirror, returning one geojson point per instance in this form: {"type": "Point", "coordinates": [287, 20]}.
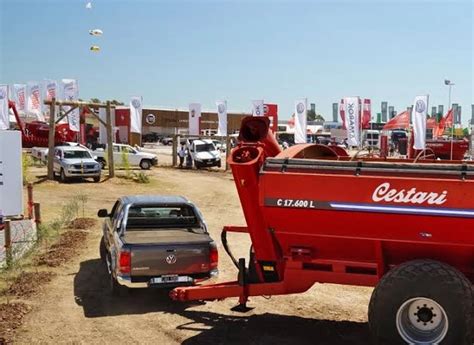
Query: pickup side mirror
{"type": "Point", "coordinates": [103, 213]}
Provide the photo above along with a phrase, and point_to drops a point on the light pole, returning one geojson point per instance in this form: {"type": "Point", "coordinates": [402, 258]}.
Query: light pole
{"type": "Point", "coordinates": [450, 84]}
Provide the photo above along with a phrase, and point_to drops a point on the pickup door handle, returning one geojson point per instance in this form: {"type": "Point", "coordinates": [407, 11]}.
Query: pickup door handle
{"type": "Point", "coordinates": [170, 250]}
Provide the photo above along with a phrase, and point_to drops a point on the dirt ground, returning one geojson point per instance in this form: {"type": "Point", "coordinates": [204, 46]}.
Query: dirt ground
{"type": "Point", "coordinates": [76, 306]}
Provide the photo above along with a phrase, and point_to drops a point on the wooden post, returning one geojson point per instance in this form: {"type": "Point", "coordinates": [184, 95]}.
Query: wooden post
{"type": "Point", "coordinates": [30, 200]}
{"type": "Point", "coordinates": [37, 208]}
{"type": "Point", "coordinates": [174, 149]}
{"type": "Point", "coordinates": [52, 130]}
{"type": "Point", "coordinates": [8, 242]}
{"type": "Point", "coordinates": [110, 148]}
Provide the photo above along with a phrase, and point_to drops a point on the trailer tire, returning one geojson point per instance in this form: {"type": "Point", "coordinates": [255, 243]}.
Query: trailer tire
{"type": "Point", "coordinates": [422, 301]}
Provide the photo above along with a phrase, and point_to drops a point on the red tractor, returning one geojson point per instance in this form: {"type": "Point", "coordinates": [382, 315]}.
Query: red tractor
{"type": "Point", "coordinates": [313, 215]}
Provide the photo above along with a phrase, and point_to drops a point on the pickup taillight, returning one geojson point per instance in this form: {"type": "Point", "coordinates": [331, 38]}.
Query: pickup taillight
{"type": "Point", "coordinates": [125, 262]}
{"type": "Point", "coordinates": [213, 256]}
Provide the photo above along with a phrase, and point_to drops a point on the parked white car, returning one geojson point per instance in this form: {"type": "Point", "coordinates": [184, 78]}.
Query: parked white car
{"type": "Point", "coordinates": [75, 162]}
{"type": "Point", "coordinates": [204, 153]}
{"type": "Point", "coordinates": [142, 159]}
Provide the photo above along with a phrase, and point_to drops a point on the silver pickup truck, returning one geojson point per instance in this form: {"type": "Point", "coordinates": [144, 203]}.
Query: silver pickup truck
{"type": "Point", "coordinates": [156, 241]}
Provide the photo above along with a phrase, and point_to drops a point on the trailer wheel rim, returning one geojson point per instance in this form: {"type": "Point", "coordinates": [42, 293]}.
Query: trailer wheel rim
{"type": "Point", "coordinates": [422, 321]}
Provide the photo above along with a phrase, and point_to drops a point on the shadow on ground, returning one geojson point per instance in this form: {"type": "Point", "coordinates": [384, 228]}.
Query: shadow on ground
{"type": "Point", "coordinates": [91, 292]}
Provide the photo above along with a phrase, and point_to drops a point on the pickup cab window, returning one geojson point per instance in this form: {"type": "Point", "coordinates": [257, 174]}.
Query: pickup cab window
{"type": "Point", "coordinates": [205, 147]}
{"type": "Point", "coordinates": [162, 217]}
{"type": "Point", "coordinates": [76, 154]}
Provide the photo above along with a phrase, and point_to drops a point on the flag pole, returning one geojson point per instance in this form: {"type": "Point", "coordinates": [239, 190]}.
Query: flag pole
{"type": "Point", "coordinates": [450, 84]}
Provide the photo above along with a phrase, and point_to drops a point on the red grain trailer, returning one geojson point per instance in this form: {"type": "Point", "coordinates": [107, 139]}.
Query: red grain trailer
{"type": "Point", "coordinates": [403, 226]}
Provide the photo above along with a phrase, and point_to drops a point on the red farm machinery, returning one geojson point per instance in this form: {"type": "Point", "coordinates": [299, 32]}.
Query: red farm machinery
{"type": "Point", "coordinates": [318, 216]}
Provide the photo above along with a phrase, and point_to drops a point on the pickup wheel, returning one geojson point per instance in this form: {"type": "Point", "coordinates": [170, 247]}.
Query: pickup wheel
{"type": "Point", "coordinates": [62, 176]}
{"type": "Point", "coordinates": [145, 164]}
{"type": "Point", "coordinates": [102, 249]}
{"type": "Point", "coordinates": [102, 163]}
{"type": "Point", "coordinates": [97, 179]}
{"type": "Point", "coordinates": [115, 288]}
{"type": "Point", "coordinates": [422, 302]}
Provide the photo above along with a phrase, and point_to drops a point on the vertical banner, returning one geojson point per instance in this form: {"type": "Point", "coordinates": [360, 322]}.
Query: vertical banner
{"type": "Point", "coordinates": [420, 110]}
{"type": "Point", "coordinates": [342, 113]}
{"type": "Point", "coordinates": [50, 89]}
{"type": "Point", "coordinates": [334, 112]}
{"type": "Point", "coordinates": [366, 114]}
{"type": "Point", "coordinates": [70, 92]}
{"type": "Point", "coordinates": [257, 107]}
{"type": "Point", "coordinates": [222, 115]}
{"type": "Point", "coordinates": [136, 114]}
{"type": "Point", "coordinates": [455, 107]}
{"type": "Point", "coordinates": [33, 104]}
{"type": "Point", "coordinates": [472, 114]}
{"type": "Point", "coordinates": [301, 110]}
{"type": "Point", "coordinates": [50, 92]}
{"type": "Point", "coordinates": [19, 97]}
{"type": "Point", "coordinates": [441, 109]}
{"type": "Point", "coordinates": [102, 128]}
{"type": "Point", "coordinates": [391, 112]}
{"type": "Point", "coordinates": [4, 116]}
{"type": "Point", "coordinates": [384, 111]}
{"type": "Point", "coordinates": [194, 115]}
{"type": "Point", "coordinates": [351, 110]}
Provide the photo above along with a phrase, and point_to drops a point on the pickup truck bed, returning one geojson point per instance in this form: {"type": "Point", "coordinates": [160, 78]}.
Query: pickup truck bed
{"type": "Point", "coordinates": [150, 236]}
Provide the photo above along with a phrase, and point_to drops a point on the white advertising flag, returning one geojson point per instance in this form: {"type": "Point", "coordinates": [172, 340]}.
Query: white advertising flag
{"type": "Point", "coordinates": [136, 114]}
{"type": "Point", "coordinates": [194, 116]}
{"type": "Point", "coordinates": [102, 128]}
{"type": "Point", "coordinates": [50, 89]}
{"type": "Point", "coordinates": [352, 116]}
{"type": "Point", "coordinates": [70, 92]}
{"type": "Point", "coordinates": [33, 104]}
{"type": "Point", "coordinates": [301, 110]}
{"type": "Point", "coordinates": [222, 114]}
{"type": "Point", "coordinates": [19, 97]}
{"type": "Point", "coordinates": [257, 108]}
{"type": "Point", "coordinates": [420, 110]}
{"type": "Point", "coordinates": [4, 116]}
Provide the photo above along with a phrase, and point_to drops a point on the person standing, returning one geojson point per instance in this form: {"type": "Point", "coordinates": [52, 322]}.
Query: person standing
{"type": "Point", "coordinates": [181, 155]}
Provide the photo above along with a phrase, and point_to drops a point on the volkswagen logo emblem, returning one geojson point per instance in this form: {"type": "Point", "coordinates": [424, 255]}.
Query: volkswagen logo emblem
{"type": "Point", "coordinates": [171, 259]}
{"type": "Point", "coordinates": [221, 108]}
{"type": "Point", "coordinates": [136, 103]}
{"type": "Point", "coordinates": [300, 108]}
{"type": "Point", "coordinates": [193, 112]}
{"type": "Point", "coordinates": [420, 106]}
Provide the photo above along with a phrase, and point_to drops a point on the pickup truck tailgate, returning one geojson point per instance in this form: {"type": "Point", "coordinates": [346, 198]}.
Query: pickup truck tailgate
{"type": "Point", "coordinates": [156, 253]}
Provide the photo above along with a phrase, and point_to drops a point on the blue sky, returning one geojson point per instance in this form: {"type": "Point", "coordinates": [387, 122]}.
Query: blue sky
{"type": "Point", "coordinates": [176, 52]}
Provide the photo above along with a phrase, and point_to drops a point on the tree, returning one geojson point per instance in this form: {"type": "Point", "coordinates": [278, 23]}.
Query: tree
{"type": "Point", "coordinates": [115, 102]}
{"type": "Point", "coordinates": [312, 116]}
{"type": "Point", "coordinates": [95, 100]}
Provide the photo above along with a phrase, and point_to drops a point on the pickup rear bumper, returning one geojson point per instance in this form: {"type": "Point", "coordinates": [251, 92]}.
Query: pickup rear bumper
{"type": "Point", "coordinates": [127, 281]}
